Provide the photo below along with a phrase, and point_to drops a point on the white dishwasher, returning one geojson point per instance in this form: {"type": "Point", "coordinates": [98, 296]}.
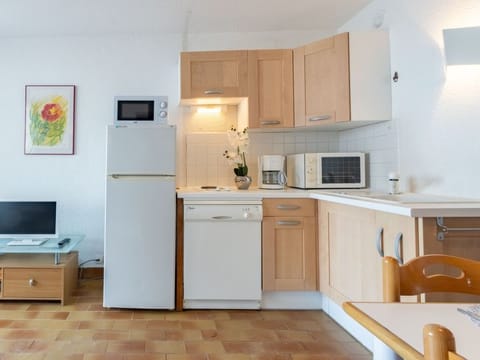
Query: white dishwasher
{"type": "Point", "coordinates": [222, 254]}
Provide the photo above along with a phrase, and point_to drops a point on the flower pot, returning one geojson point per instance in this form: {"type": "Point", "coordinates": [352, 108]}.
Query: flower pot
{"type": "Point", "coordinates": [243, 182]}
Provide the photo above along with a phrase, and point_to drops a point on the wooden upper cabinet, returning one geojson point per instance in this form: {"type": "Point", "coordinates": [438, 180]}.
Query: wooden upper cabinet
{"type": "Point", "coordinates": [343, 78]}
{"type": "Point", "coordinates": [270, 88]}
{"type": "Point", "coordinates": [322, 92]}
{"type": "Point", "coordinates": [214, 74]}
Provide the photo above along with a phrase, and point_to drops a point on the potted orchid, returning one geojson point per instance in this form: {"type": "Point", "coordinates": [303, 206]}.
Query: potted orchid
{"type": "Point", "coordinates": [238, 141]}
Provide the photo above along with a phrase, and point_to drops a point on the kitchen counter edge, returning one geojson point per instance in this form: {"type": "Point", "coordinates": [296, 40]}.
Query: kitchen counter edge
{"type": "Point", "coordinates": [470, 209]}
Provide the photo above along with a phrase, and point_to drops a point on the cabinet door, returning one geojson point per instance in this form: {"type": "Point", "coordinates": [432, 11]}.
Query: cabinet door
{"type": "Point", "coordinates": [397, 236]}
{"type": "Point", "coordinates": [270, 88]}
{"type": "Point", "coordinates": [289, 253]}
{"type": "Point", "coordinates": [214, 74]}
{"type": "Point", "coordinates": [350, 268]}
{"type": "Point", "coordinates": [322, 90]}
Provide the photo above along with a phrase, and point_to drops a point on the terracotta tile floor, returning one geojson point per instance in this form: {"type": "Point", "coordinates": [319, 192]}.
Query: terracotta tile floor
{"type": "Point", "coordinates": [84, 330]}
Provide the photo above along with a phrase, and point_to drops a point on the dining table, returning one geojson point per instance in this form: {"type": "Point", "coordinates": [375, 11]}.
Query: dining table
{"type": "Point", "coordinates": [400, 325]}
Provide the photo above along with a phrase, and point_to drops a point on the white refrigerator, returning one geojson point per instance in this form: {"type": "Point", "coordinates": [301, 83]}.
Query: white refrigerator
{"type": "Point", "coordinates": [139, 247]}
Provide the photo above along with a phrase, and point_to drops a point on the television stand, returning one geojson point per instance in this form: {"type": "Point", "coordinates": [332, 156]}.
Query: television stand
{"type": "Point", "coordinates": [30, 272]}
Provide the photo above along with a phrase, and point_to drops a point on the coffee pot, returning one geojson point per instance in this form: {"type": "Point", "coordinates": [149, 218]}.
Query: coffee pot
{"type": "Point", "coordinates": [271, 172]}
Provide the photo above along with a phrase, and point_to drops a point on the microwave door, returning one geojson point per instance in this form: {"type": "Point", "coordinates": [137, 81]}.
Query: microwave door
{"type": "Point", "coordinates": [318, 172]}
{"type": "Point", "coordinates": [313, 171]}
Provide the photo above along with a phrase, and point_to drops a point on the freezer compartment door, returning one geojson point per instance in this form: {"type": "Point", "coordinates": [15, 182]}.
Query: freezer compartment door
{"type": "Point", "coordinates": [142, 150]}
{"type": "Point", "coordinates": [140, 243]}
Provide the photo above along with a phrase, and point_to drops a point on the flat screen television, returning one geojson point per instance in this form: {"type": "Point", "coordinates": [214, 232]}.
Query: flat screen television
{"type": "Point", "coordinates": [28, 219]}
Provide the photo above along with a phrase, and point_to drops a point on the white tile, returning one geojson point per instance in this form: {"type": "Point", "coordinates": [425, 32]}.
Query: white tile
{"type": "Point", "coordinates": [300, 148]}
{"type": "Point", "coordinates": [278, 149]}
{"type": "Point", "coordinates": [300, 138]}
{"type": "Point", "coordinates": [278, 138]}
{"type": "Point", "coordinates": [265, 149]}
{"type": "Point", "coordinates": [290, 149]}
{"type": "Point", "coordinates": [289, 138]}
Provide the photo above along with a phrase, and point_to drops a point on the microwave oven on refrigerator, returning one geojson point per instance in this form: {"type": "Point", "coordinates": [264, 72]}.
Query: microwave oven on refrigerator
{"type": "Point", "coordinates": [326, 170]}
{"type": "Point", "coordinates": [141, 110]}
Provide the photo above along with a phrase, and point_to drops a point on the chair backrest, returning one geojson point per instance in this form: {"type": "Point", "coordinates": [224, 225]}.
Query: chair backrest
{"type": "Point", "coordinates": [415, 277]}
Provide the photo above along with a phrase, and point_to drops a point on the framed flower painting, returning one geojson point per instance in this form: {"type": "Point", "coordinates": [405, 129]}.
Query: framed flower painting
{"type": "Point", "coordinates": [49, 119]}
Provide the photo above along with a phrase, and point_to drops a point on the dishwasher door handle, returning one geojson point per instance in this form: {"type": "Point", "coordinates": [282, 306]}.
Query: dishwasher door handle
{"type": "Point", "coordinates": [221, 217]}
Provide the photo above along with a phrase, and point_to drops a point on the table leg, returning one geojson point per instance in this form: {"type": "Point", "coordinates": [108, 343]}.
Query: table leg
{"type": "Point", "coordinates": [382, 351]}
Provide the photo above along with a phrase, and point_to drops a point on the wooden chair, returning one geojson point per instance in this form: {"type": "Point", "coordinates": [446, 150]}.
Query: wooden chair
{"type": "Point", "coordinates": [439, 343]}
{"type": "Point", "coordinates": [414, 277]}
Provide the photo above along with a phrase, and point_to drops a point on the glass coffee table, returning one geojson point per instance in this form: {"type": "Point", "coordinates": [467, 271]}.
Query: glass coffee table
{"type": "Point", "coordinates": [56, 246]}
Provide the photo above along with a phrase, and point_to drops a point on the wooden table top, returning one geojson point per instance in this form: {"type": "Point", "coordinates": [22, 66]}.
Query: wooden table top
{"type": "Point", "coordinates": [400, 325]}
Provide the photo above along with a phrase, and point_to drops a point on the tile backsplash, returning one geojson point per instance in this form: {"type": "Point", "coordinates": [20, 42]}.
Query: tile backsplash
{"type": "Point", "coordinates": [205, 164]}
{"type": "Point", "coordinates": [379, 141]}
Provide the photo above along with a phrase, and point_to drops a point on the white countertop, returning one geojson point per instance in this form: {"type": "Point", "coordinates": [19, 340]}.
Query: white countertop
{"type": "Point", "coordinates": [432, 207]}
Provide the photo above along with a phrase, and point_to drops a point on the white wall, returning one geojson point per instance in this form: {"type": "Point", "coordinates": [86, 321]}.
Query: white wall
{"type": "Point", "coordinates": [100, 67]}
{"type": "Point", "coordinates": [251, 40]}
{"type": "Point", "coordinates": [436, 109]}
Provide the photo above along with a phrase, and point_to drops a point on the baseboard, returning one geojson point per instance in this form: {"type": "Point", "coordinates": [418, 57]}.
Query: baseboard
{"type": "Point", "coordinates": [90, 273]}
{"type": "Point", "coordinates": [336, 312]}
{"type": "Point", "coordinates": [292, 300]}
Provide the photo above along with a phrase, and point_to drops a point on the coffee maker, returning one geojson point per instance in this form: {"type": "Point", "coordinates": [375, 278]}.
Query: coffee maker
{"type": "Point", "coordinates": [271, 172]}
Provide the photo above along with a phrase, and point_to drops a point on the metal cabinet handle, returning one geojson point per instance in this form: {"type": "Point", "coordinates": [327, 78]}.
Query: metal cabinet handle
{"type": "Point", "coordinates": [319, 118]}
{"type": "Point", "coordinates": [398, 247]}
{"type": "Point", "coordinates": [221, 217]}
{"type": "Point", "coordinates": [213, 92]}
{"type": "Point", "coordinates": [288, 207]}
{"type": "Point", "coordinates": [32, 282]}
{"type": "Point", "coordinates": [379, 241]}
{"type": "Point", "coordinates": [289, 222]}
{"type": "Point", "coordinates": [270, 122]}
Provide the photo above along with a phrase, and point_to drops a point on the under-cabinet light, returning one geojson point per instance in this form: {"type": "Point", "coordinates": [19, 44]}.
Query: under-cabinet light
{"type": "Point", "coordinates": [209, 110]}
{"type": "Point", "coordinates": [461, 45]}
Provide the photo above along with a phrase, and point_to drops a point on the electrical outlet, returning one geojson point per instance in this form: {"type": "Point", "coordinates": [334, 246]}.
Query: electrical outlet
{"type": "Point", "coordinates": [99, 260]}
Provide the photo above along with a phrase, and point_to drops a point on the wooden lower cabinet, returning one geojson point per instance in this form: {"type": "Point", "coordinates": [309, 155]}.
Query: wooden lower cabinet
{"type": "Point", "coordinates": [289, 245]}
{"type": "Point", "coordinates": [349, 264]}
{"type": "Point", "coordinates": [352, 241]}
{"type": "Point", "coordinates": [36, 277]}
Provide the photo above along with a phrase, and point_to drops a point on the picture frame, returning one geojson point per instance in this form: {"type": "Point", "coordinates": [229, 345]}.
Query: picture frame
{"type": "Point", "coordinates": [49, 120]}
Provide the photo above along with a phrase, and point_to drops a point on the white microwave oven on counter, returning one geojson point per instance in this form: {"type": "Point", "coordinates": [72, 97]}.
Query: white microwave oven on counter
{"type": "Point", "coordinates": [140, 110]}
{"type": "Point", "coordinates": [326, 170]}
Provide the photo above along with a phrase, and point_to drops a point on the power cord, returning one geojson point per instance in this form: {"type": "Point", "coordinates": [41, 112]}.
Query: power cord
{"type": "Point", "coordinates": [81, 266]}
{"type": "Point", "coordinates": [97, 260]}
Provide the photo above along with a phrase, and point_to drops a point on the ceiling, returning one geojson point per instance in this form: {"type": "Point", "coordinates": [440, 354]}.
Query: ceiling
{"type": "Point", "coordinates": [93, 17]}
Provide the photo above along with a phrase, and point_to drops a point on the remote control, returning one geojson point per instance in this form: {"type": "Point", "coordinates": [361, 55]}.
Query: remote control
{"type": "Point", "coordinates": [63, 242]}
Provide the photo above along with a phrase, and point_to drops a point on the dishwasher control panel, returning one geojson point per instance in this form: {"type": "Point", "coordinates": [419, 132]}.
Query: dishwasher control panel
{"type": "Point", "coordinates": [223, 211]}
